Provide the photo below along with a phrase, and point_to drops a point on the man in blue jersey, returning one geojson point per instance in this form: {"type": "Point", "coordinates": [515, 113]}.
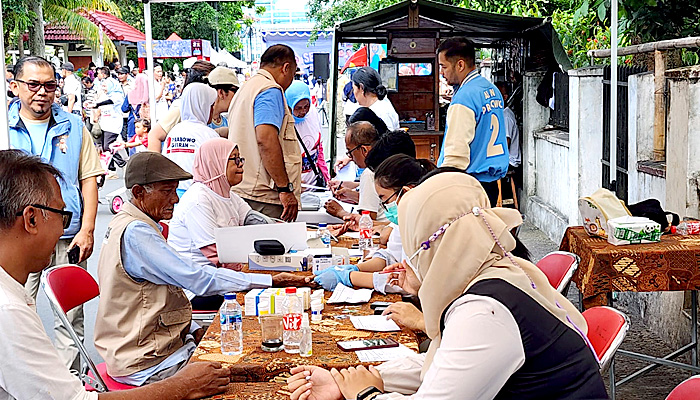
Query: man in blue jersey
{"type": "Point", "coordinates": [475, 134]}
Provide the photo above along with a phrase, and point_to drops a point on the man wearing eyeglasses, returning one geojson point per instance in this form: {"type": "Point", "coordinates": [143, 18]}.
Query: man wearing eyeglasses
{"type": "Point", "coordinates": [39, 126]}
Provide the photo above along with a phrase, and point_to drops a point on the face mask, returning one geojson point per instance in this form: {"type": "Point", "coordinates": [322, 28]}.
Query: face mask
{"type": "Point", "coordinates": [392, 213]}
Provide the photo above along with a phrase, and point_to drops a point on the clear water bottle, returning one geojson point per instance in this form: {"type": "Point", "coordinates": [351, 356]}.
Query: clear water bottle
{"type": "Point", "coordinates": [365, 231]}
{"type": "Point", "coordinates": [687, 228]}
{"type": "Point", "coordinates": [324, 234]}
{"type": "Point", "coordinates": [292, 309]}
{"type": "Point", "coordinates": [305, 347]}
{"type": "Point", "coordinates": [231, 326]}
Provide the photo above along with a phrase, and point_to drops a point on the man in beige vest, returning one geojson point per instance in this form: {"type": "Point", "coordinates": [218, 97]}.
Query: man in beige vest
{"type": "Point", "coordinates": [31, 222]}
{"type": "Point", "coordinates": [263, 127]}
{"type": "Point", "coordinates": [144, 328]}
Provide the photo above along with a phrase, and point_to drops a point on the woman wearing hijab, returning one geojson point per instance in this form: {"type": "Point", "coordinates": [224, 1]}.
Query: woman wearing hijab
{"type": "Point", "coordinates": [498, 328]}
{"type": "Point", "coordinates": [210, 204]}
{"type": "Point", "coordinates": [308, 127]}
{"type": "Point", "coordinates": [133, 103]}
{"type": "Point", "coordinates": [188, 135]}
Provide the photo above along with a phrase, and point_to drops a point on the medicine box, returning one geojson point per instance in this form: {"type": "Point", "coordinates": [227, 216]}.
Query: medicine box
{"type": "Point", "coordinates": [287, 262]}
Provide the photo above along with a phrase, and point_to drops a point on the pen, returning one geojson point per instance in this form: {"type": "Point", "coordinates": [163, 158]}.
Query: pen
{"type": "Point", "coordinates": [352, 209]}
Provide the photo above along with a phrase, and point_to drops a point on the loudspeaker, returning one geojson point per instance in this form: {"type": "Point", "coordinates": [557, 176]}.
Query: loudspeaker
{"type": "Point", "coordinates": [322, 66]}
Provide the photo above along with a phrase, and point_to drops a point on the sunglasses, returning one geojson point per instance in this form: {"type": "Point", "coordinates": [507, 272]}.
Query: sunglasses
{"type": "Point", "coordinates": [238, 160]}
{"type": "Point", "coordinates": [66, 215]}
{"type": "Point", "coordinates": [49, 86]}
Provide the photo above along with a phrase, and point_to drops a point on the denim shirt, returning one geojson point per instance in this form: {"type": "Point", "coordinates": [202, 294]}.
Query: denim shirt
{"type": "Point", "coordinates": [64, 140]}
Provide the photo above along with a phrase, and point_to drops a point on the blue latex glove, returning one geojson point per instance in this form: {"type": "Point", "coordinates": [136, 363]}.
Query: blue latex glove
{"type": "Point", "coordinates": [330, 277]}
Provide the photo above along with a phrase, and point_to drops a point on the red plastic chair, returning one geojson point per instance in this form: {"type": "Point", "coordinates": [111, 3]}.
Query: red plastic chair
{"type": "Point", "coordinates": [166, 228]}
{"type": "Point", "coordinates": [69, 286]}
{"type": "Point", "coordinates": [688, 389]}
{"type": "Point", "coordinates": [607, 328]}
{"type": "Point", "coordinates": [559, 267]}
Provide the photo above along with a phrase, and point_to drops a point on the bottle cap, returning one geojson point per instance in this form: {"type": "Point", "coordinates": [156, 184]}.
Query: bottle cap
{"type": "Point", "coordinates": [305, 320]}
{"type": "Point", "coordinates": [230, 296]}
{"type": "Point", "coordinates": [365, 212]}
{"type": "Point", "coordinates": [290, 290]}
{"type": "Point", "coordinates": [673, 230]}
{"type": "Point", "coordinates": [322, 225]}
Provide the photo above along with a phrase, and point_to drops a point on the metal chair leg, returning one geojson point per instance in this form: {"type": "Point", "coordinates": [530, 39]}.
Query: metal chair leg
{"type": "Point", "coordinates": [612, 379]}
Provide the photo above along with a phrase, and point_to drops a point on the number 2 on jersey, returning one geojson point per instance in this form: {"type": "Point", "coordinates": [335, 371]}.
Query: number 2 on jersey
{"type": "Point", "coordinates": [494, 149]}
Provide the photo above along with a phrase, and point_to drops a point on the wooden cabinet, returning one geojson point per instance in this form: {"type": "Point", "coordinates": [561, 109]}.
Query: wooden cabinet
{"type": "Point", "coordinates": [427, 146]}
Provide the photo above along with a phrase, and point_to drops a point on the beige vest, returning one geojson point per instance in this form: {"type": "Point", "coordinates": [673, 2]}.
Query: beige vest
{"type": "Point", "coordinates": [139, 324]}
{"type": "Point", "coordinates": [257, 184]}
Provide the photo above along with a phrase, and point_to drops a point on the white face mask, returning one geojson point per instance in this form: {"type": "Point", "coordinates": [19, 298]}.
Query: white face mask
{"type": "Point", "coordinates": [410, 264]}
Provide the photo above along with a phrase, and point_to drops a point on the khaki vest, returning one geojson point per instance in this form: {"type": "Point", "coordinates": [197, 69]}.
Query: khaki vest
{"type": "Point", "coordinates": [257, 184]}
{"type": "Point", "coordinates": [139, 324]}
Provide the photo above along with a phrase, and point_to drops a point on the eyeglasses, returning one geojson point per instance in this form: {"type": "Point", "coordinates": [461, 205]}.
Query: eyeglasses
{"type": "Point", "coordinates": [349, 152]}
{"type": "Point", "coordinates": [67, 215]}
{"type": "Point", "coordinates": [238, 160]}
{"type": "Point", "coordinates": [388, 200]}
{"type": "Point", "coordinates": [49, 86]}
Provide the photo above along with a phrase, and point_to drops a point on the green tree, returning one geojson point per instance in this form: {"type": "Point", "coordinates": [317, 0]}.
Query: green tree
{"type": "Point", "coordinates": [16, 17]}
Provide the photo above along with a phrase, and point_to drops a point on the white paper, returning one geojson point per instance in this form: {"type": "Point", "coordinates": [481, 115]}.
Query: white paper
{"type": "Point", "coordinates": [344, 294]}
{"type": "Point", "coordinates": [376, 323]}
{"type": "Point", "coordinates": [386, 354]}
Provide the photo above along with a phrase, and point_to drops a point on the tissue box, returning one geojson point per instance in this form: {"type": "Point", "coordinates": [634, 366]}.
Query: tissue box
{"type": "Point", "coordinates": [633, 230]}
{"type": "Point", "coordinates": [287, 262]}
{"type": "Point", "coordinates": [322, 258]}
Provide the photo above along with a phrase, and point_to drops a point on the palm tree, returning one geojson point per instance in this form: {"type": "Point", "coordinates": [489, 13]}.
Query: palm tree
{"type": "Point", "coordinates": [72, 14]}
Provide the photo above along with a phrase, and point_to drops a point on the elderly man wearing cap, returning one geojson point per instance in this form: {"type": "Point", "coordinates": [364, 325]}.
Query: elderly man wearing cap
{"type": "Point", "coordinates": [144, 328]}
{"type": "Point", "coordinates": [72, 88]}
{"type": "Point", "coordinates": [225, 81]}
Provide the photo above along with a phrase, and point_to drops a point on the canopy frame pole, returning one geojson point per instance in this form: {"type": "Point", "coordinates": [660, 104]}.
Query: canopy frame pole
{"type": "Point", "coordinates": [613, 96]}
{"type": "Point", "coordinates": [4, 117]}
{"type": "Point", "coordinates": [332, 98]}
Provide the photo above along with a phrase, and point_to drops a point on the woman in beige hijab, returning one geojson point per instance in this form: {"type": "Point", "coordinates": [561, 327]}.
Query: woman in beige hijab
{"type": "Point", "coordinates": [498, 328]}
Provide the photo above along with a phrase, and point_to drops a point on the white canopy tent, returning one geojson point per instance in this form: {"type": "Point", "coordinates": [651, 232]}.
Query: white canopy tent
{"type": "Point", "coordinates": [224, 56]}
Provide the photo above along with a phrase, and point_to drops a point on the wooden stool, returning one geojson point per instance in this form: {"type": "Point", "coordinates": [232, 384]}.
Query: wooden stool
{"type": "Point", "coordinates": [512, 201]}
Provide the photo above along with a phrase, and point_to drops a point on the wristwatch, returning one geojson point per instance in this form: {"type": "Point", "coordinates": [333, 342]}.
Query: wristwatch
{"type": "Point", "coordinates": [368, 393]}
{"type": "Point", "coordinates": [285, 189]}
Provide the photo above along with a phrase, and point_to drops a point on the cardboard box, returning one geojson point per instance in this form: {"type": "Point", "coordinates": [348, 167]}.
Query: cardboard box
{"type": "Point", "coordinates": [633, 230]}
{"type": "Point", "coordinates": [322, 258]}
{"type": "Point", "coordinates": [288, 262]}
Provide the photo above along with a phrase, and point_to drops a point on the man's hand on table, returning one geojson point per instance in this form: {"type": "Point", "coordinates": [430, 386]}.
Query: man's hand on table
{"type": "Point", "coordinates": [406, 314]}
{"type": "Point", "coordinates": [335, 209]}
{"type": "Point", "coordinates": [312, 383]}
{"type": "Point", "coordinates": [290, 206]}
{"type": "Point", "coordinates": [346, 194]}
{"type": "Point", "coordinates": [202, 379]}
{"type": "Point", "coordinates": [353, 380]}
{"type": "Point", "coordinates": [284, 279]}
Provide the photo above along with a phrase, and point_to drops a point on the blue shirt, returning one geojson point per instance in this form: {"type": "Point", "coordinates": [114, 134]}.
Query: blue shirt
{"type": "Point", "coordinates": [268, 108]}
{"type": "Point", "coordinates": [224, 123]}
{"type": "Point", "coordinates": [147, 256]}
{"type": "Point", "coordinates": [37, 132]}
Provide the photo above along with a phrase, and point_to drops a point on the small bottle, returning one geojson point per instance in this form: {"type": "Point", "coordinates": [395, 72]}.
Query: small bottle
{"type": "Point", "coordinates": [687, 228]}
{"type": "Point", "coordinates": [324, 234]}
{"type": "Point", "coordinates": [231, 326]}
{"type": "Point", "coordinates": [293, 308]}
{"type": "Point", "coordinates": [316, 310]}
{"type": "Point", "coordinates": [366, 224]}
{"type": "Point", "coordinates": [305, 347]}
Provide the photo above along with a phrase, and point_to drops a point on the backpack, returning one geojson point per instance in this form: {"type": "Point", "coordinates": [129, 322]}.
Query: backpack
{"type": "Point", "coordinates": [651, 208]}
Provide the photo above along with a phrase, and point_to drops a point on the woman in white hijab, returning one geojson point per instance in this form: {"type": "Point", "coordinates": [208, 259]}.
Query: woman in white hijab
{"type": "Point", "coordinates": [498, 328]}
{"type": "Point", "coordinates": [186, 137]}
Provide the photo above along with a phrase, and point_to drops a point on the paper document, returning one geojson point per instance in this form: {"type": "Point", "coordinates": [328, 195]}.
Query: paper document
{"type": "Point", "coordinates": [344, 294]}
{"type": "Point", "coordinates": [387, 354]}
{"type": "Point", "coordinates": [377, 323]}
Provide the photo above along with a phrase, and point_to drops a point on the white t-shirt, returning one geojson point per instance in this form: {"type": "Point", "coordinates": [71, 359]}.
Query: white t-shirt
{"type": "Point", "coordinates": [182, 141]}
{"type": "Point", "coordinates": [31, 368]}
{"type": "Point", "coordinates": [513, 134]}
{"type": "Point", "coordinates": [71, 85]}
{"type": "Point", "coordinates": [111, 114]}
{"type": "Point", "coordinates": [386, 112]}
{"type": "Point", "coordinates": [196, 218]}
{"type": "Point", "coordinates": [369, 199]}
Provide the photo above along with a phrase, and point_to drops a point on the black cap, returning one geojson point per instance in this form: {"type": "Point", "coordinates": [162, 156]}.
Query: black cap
{"type": "Point", "coordinates": [123, 70]}
{"type": "Point", "coordinates": [150, 167]}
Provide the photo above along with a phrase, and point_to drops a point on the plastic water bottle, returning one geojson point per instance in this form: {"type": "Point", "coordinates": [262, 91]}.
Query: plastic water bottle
{"type": "Point", "coordinates": [365, 231]}
{"type": "Point", "coordinates": [293, 308]}
{"type": "Point", "coordinates": [687, 228]}
{"type": "Point", "coordinates": [231, 326]}
{"type": "Point", "coordinates": [305, 347]}
{"type": "Point", "coordinates": [324, 234]}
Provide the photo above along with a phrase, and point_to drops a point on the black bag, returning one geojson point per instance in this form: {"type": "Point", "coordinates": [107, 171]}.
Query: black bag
{"type": "Point", "coordinates": [651, 208]}
{"type": "Point", "coordinates": [269, 247]}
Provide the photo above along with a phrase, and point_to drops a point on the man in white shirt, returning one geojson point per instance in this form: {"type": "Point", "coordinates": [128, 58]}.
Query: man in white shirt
{"type": "Point", "coordinates": [72, 88]}
{"type": "Point", "coordinates": [513, 137]}
{"type": "Point", "coordinates": [34, 218]}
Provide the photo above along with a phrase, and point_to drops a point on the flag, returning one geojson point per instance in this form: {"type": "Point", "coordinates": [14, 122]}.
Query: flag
{"type": "Point", "coordinates": [358, 59]}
